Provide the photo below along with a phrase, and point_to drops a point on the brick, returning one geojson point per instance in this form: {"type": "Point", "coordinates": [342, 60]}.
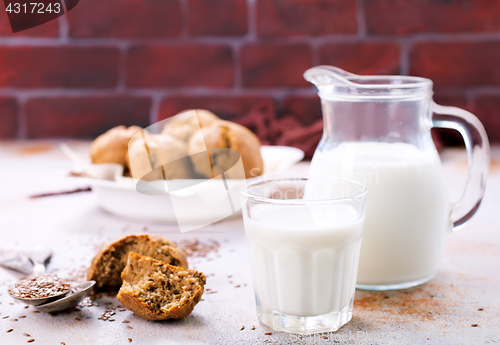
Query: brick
{"type": "Point", "coordinates": [180, 66]}
{"type": "Point", "coordinates": [305, 17]}
{"type": "Point", "coordinates": [362, 57]}
{"type": "Point", "coordinates": [226, 107]}
{"type": "Point", "coordinates": [401, 17]}
{"type": "Point", "coordinates": [218, 18]}
{"type": "Point", "coordinates": [49, 29]}
{"type": "Point", "coordinates": [8, 118]}
{"type": "Point", "coordinates": [126, 19]}
{"type": "Point", "coordinates": [457, 63]}
{"type": "Point", "coordinates": [487, 109]}
{"type": "Point", "coordinates": [451, 99]}
{"type": "Point", "coordinates": [275, 65]}
{"type": "Point", "coordinates": [306, 109]}
{"type": "Point", "coordinates": [71, 67]}
{"type": "Point", "coordinates": [84, 117]}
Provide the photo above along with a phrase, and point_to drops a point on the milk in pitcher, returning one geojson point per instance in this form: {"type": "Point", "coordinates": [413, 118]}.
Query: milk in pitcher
{"type": "Point", "coordinates": [408, 211]}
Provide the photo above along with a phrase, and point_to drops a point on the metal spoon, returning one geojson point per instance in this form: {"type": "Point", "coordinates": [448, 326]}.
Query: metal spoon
{"type": "Point", "coordinates": [27, 262]}
{"type": "Point", "coordinates": [16, 260]}
{"type": "Point", "coordinates": [82, 291]}
{"type": "Point", "coordinates": [39, 257]}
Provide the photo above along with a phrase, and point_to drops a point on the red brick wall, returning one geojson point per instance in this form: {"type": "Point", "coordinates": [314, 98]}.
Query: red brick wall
{"type": "Point", "coordinates": [135, 61]}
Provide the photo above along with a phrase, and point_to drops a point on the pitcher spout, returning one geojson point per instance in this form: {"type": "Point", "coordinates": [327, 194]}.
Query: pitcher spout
{"type": "Point", "coordinates": [333, 81]}
{"type": "Point", "coordinates": [327, 76]}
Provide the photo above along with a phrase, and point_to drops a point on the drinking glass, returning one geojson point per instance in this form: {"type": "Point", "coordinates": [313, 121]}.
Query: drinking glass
{"type": "Point", "coordinates": [304, 237]}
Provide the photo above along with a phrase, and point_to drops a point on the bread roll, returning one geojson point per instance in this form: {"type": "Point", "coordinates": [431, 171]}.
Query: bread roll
{"type": "Point", "coordinates": [163, 149]}
{"type": "Point", "coordinates": [111, 259]}
{"type": "Point", "coordinates": [225, 134]}
{"type": "Point", "coordinates": [112, 146]}
{"type": "Point", "coordinates": [157, 291]}
{"type": "Point", "coordinates": [185, 124]}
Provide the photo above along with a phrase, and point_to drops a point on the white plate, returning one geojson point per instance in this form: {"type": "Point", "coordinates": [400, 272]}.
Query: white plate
{"type": "Point", "coordinates": [122, 199]}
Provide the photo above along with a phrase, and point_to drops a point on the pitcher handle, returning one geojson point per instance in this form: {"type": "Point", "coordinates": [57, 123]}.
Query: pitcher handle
{"type": "Point", "coordinates": [478, 158]}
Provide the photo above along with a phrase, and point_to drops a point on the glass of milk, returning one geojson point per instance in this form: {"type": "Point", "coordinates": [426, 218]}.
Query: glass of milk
{"type": "Point", "coordinates": [304, 237]}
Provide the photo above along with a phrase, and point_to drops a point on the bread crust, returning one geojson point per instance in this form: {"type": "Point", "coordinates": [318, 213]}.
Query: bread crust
{"type": "Point", "coordinates": [110, 279]}
{"type": "Point", "coordinates": [112, 146]}
{"type": "Point", "coordinates": [226, 134]}
{"type": "Point", "coordinates": [163, 150]}
{"type": "Point", "coordinates": [131, 301]}
{"type": "Point", "coordinates": [183, 126]}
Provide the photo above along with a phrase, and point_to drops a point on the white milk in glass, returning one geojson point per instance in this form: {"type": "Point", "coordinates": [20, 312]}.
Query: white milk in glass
{"type": "Point", "coordinates": [408, 211]}
{"type": "Point", "coordinates": [304, 258]}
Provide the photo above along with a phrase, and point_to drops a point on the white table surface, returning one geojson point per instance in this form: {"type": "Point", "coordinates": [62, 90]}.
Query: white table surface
{"type": "Point", "coordinates": [441, 311]}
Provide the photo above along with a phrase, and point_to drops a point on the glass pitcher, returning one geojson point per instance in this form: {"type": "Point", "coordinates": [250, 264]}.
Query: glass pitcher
{"type": "Point", "coordinates": [377, 131]}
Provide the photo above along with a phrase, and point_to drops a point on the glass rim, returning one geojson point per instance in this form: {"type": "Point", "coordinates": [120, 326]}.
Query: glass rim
{"type": "Point", "coordinates": [245, 194]}
{"type": "Point", "coordinates": [392, 87]}
{"type": "Point", "coordinates": [406, 81]}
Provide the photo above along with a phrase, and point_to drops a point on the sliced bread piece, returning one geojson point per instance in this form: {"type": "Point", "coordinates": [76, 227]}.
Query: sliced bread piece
{"type": "Point", "coordinates": [108, 264]}
{"type": "Point", "coordinates": [157, 291]}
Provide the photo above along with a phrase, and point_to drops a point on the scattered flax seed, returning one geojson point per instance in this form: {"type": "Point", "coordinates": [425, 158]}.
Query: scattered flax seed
{"type": "Point", "coordinates": [237, 286]}
{"type": "Point", "coordinates": [195, 248]}
{"type": "Point", "coordinates": [125, 321]}
{"type": "Point", "coordinates": [229, 276]}
{"type": "Point", "coordinates": [10, 330]}
{"type": "Point", "coordinates": [129, 340]}
{"type": "Point", "coordinates": [245, 284]}
{"type": "Point", "coordinates": [122, 309]}
{"type": "Point", "coordinates": [31, 340]}
{"type": "Point", "coordinates": [26, 307]}
{"type": "Point", "coordinates": [474, 325]}
{"type": "Point", "coordinates": [230, 282]}
{"type": "Point", "coordinates": [253, 328]}
{"type": "Point", "coordinates": [242, 328]}
{"type": "Point", "coordinates": [35, 311]}
{"type": "Point", "coordinates": [106, 316]}
{"type": "Point", "coordinates": [63, 343]}
{"type": "Point", "coordinates": [129, 327]}
{"type": "Point", "coordinates": [87, 302]}
{"type": "Point", "coordinates": [22, 316]}
{"type": "Point", "coordinates": [5, 317]}
{"type": "Point", "coordinates": [13, 320]}
{"type": "Point", "coordinates": [268, 333]}
{"type": "Point", "coordinates": [78, 319]}
{"type": "Point", "coordinates": [26, 335]}
{"type": "Point", "coordinates": [480, 309]}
